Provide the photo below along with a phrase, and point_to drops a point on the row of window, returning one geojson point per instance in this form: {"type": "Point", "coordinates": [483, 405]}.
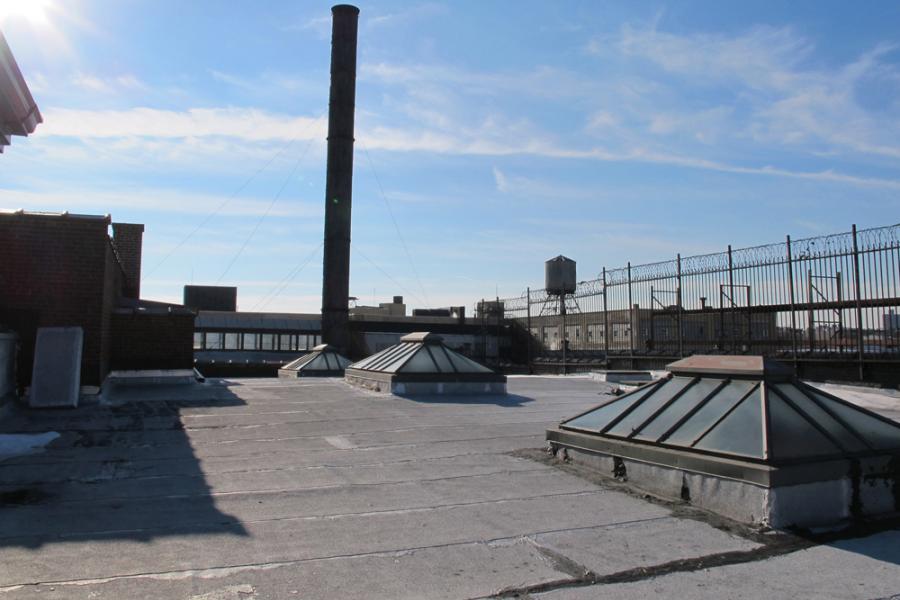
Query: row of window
{"type": "Point", "coordinates": [573, 332]}
{"type": "Point", "coordinates": [621, 331]}
{"type": "Point", "coordinates": [231, 340]}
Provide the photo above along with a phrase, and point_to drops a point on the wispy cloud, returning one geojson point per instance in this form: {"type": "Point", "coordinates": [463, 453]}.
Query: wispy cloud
{"type": "Point", "coordinates": [501, 181]}
{"type": "Point", "coordinates": [768, 110]}
{"type": "Point", "coordinates": [491, 136]}
{"type": "Point", "coordinates": [230, 79]}
{"type": "Point", "coordinates": [415, 12]}
{"type": "Point", "coordinates": [775, 93]}
{"type": "Point", "coordinates": [531, 187]}
{"type": "Point", "coordinates": [320, 25]}
{"type": "Point", "coordinates": [241, 123]}
{"type": "Point", "coordinates": [107, 85]}
{"type": "Point", "coordinates": [762, 57]}
{"type": "Point", "coordinates": [154, 201]}
{"type": "Point", "coordinates": [270, 82]}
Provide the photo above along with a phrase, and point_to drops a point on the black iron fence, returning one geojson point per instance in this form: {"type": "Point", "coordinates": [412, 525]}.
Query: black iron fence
{"type": "Point", "coordinates": [832, 300]}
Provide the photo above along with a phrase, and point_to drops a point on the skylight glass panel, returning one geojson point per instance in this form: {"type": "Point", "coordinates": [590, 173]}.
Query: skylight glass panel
{"type": "Point", "coordinates": [688, 401]}
{"type": "Point", "coordinates": [654, 401]}
{"type": "Point", "coordinates": [388, 360]}
{"type": "Point", "coordinates": [738, 433]}
{"type": "Point", "coordinates": [713, 410]}
{"type": "Point", "coordinates": [879, 434]}
{"type": "Point", "coordinates": [318, 363]}
{"type": "Point", "coordinates": [465, 365]}
{"type": "Point", "coordinates": [849, 441]}
{"type": "Point", "coordinates": [600, 417]}
{"type": "Point", "coordinates": [440, 358]}
{"type": "Point", "coordinates": [294, 364]}
{"type": "Point", "coordinates": [792, 436]}
{"type": "Point", "coordinates": [420, 362]}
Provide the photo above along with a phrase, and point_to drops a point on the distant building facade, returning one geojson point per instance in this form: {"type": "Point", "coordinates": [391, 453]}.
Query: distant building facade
{"type": "Point", "coordinates": [210, 297]}
{"type": "Point", "coordinates": [397, 308]}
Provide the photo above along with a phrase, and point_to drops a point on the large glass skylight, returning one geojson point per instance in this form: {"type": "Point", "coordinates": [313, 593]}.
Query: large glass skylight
{"type": "Point", "coordinates": [424, 355]}
{"type": "Point", "coordinates": [749, 413]}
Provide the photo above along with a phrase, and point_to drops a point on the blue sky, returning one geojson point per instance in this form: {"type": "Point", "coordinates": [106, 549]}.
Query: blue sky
{"type": "Point", "coordinates": [491, 136]}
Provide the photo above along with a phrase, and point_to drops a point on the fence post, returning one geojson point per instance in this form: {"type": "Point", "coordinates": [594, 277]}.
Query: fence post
{"type": "Point", "coordinates": [859, 324]}
{"type": "Point", "coordinates": [679, 307]}
{"type": "Point", "coordinates": [605, 322]}
{"type": "Point", "coordinates": [812, 313]}
{"type": "Point", "coordinates": [790, 266]}
{"type": "Point", "coordinates": [528, 321]}
{"type": "Point", "coordinates": [839, 283]}
{"type": "Point", "coordinates": [483, 334]}
{"type": "Point", "coordinates": [630, 322]}
{"type": "Point", "coordinates": [565, 341]}
{"type": "Point", "coordinates": [731, 298]}
{"type": "Point", "coordinates": [501, 318]}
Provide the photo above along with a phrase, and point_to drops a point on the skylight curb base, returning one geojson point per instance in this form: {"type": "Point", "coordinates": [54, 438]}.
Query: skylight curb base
{"type": "Point", "coordinates": [800, 495]}
{"type": "Point", "coordinates": [422, 387]}
{"type": "Point", "coordinates": [818, 459]}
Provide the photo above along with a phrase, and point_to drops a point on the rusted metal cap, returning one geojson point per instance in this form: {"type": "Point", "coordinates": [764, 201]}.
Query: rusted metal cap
{"type": "Point", "coordinates": [736, 366]}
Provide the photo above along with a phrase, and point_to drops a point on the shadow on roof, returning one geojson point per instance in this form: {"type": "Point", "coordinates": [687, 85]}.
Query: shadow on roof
{"type": "Point", "coordinates": [884, 546]}
{"type": "Point", "coordinates": [126, 471]}
{"type": "Point", "coordinates": [508, 400]}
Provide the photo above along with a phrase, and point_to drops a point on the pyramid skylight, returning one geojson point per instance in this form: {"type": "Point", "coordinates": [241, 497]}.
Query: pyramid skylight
{"type": "Point", "coordinates": [323, 361]}
{"type": "Point", "coordinates": [742, 437]}
{"type": "Point", "coordinates": [421, 363]}
{"type": "Point", "coordinates": [745, 409]}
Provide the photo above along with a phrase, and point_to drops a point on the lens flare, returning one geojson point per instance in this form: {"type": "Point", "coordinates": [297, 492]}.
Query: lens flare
{"type": "Point", "coordinates": [33, 11]}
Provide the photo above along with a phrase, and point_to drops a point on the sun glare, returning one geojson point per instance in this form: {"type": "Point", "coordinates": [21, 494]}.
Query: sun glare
{"type": "Point", "coordinates": [33, 11]}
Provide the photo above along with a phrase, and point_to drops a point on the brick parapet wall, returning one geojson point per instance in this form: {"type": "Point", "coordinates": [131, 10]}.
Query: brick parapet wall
{"type": "Point", "coordinates": [128, 242]}
{"type": "Point", "coordinates": [152, 341]}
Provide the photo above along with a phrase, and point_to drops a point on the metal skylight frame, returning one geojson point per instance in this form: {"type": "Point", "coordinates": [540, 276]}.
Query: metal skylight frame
{"type": "Point", "coordinates": [835, 434]}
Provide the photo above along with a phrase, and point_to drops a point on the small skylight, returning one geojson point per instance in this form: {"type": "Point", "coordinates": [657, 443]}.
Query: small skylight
{"type": "Point", "coordinates": [323, 361]}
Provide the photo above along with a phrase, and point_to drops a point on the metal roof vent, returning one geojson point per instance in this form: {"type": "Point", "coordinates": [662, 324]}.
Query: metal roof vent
{"type": "Point", "coordinates": [422, 364]}
{"type": "Point", "coordinates": [323, 361]}
{"type": "Point", "coordinates": [786, 445]}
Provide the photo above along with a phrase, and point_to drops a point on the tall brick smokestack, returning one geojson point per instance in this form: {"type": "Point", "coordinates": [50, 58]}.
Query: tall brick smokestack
{"type": "Point", "coordinates": [339, 180]}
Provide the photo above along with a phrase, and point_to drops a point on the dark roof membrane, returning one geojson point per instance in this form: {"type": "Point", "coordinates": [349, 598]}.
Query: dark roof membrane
{"type": "Point", "coordinates": [754, 413]}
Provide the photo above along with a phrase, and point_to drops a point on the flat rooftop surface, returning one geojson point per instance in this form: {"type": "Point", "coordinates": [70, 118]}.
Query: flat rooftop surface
{"type": "Point", "coordinates": [268, 488]}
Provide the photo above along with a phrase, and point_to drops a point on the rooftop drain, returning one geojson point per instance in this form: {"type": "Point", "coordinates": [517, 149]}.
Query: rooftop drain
{"type": "Point", "coordinates": [422, 364]}
{"type": "Point", "coordinates": [323, 361]}
{"type": "Point", "coordinates": [741, 436]}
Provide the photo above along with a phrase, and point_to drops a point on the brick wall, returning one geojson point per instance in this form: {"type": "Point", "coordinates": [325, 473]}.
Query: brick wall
{"type": "Point", "coordinates": [58, 271]}
{"type": "Point", "coordinates": [128, 240]}
{"type": "Point", "coordinates": [152, 341]}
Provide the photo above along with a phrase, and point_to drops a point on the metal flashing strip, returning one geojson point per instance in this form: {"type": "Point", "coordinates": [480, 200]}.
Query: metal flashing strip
{"type": "Point", "coordinates": [757, 473]}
